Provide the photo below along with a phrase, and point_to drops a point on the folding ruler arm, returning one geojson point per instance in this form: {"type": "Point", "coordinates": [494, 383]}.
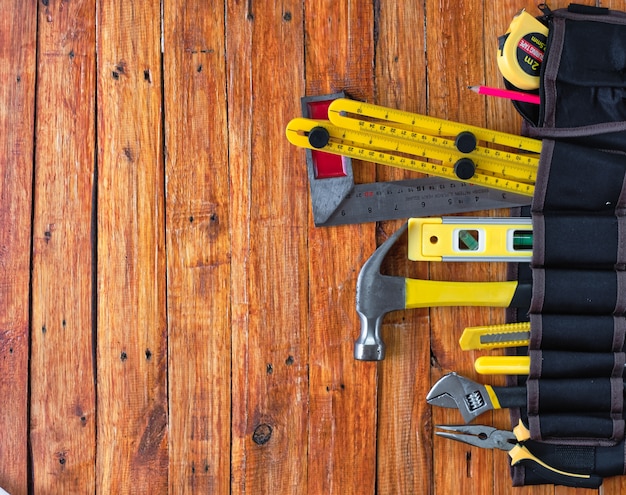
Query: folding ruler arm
{"type": "Point", "coordinates": [337, 200]}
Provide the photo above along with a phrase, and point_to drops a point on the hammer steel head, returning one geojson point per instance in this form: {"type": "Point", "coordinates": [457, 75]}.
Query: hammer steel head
{"type": "Point", "coordinates": [377, 295]}
{"type": "Point", "coordinates": [455, 391]}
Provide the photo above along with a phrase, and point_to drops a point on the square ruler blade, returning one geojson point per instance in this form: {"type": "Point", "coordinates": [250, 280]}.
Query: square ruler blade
{"type": "Point", "coordinates": [337, 200]}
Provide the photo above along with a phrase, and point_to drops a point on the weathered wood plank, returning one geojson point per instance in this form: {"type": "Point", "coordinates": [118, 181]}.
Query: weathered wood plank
{"type": "Point", "coordinates": [455, 51]}
{"type": "Point", "coordinates": [501, 116]}
{"type": "Point", "coordinates": [342, 441]}
{"type": "Point", "coordinates": [269, 258]}
{"type": "Point", "coordinates": [404, 435]}
{"type": "Point", "coordinates": [132, 455]}
{"type": "Point", "coordinates": [18, 34]}
{"type": "Point", "coordinates": [63, 416]}
{"type": "Point", "coordinates": [198, 247]}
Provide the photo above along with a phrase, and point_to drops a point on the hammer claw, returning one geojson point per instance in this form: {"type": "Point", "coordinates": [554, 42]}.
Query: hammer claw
{"type": "Point", "coordinates": [378, 294]}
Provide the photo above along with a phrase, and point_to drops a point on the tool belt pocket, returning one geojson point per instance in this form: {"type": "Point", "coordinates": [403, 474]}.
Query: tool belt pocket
{"type": "Point", "coordinates": [575, 388]}
{"type": "Point", "coordinates": [583, 79]}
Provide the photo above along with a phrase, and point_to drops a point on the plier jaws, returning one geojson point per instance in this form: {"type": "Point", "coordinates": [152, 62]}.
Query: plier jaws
{"type": "Point", "coordinates": [516, 443]}
{"type": "Point", "coordinates": [483, 436]}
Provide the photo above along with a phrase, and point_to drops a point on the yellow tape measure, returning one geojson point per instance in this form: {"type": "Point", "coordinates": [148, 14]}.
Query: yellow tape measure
{"type": "Point", "coordinates": [470, 239]}
{"type": "Point", "coordinates": [423, 144]}
{"type": "Point", "coordinates": [521, 50]}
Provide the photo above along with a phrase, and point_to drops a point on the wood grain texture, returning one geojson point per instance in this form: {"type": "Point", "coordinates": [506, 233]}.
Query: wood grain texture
{"type": "Point", "coordinates": [456, 29]}
{"type": "Point", "coordinates": [131, 320]}
{"type": "Point", "coordinates": [268, 232]}
{"type": "Point", "coordinates": [63, 409]}
{"type": "Point", "coordinates": [18, 29]}
{"type": "Point", "coordinates": [191, 330]}
{"type": "Point", "coordinates": [198, 248]}
{"type": "Point", "coordinates": [404, 447]}
{"type": "Point", "coordinates": [343, 392]}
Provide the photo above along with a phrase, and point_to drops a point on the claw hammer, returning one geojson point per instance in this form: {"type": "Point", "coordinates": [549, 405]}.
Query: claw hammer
{"type": "Point", "coordinates": [378, 294]}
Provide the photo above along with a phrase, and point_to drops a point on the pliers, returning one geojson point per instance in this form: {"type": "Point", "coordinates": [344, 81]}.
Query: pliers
{"type": "Point", "coordinates": [515, 443]}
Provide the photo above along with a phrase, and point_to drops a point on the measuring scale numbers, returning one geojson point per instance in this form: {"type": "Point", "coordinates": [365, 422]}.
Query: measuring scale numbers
{"type": "Point", "coordinates": [423, 144]}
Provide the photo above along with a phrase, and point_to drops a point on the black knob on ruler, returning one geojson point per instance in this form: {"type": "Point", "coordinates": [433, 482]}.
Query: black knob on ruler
{"type": "Point", "coordinates": [465, 142]}
{"type": "Point", "coordinates": [464, 168]}
{"type": "Point", "coordinates": [318, 137]}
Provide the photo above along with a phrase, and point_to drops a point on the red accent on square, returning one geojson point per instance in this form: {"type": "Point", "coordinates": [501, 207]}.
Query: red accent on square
{"type": "Point", "coordinates": [326, 165]}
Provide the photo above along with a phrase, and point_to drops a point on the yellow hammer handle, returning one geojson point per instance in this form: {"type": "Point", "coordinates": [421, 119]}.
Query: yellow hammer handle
{"type": "Point", "coordinates": [432, 293]}
{"type": "Point", "coordinates": [502, 365]}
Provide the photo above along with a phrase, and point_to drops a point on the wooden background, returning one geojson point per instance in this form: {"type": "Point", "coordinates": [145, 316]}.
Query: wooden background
{"type": "Point", "coordinates": [170, 318]}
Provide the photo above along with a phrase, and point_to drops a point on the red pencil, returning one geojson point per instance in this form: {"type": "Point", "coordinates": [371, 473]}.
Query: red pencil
{"type": "Point", "coordinates": [506, 93]}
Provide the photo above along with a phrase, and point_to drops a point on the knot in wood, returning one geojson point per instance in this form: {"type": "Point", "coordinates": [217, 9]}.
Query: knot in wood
{"type": "Point", "coordinates": [262, 434]}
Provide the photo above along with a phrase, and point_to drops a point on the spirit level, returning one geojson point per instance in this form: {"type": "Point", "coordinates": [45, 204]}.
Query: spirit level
{"type": "Point", "coordinates": [470, 239]}
{"type": "Point", "coordinates": [337, 200]}
{"type": "Point", "coordinates": [423, 144]}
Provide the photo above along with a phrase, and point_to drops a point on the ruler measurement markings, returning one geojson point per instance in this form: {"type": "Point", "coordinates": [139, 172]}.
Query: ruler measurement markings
{"type": "Point", "coordinates": [486, 165]}
{"type": "Point", "coordinates": [423, 199]}
{"type": "Point", "coordinates": [341, 108]}
{"type": "Point", "coordinates": [350, 203]}
{"type": "Point", "coordinates": [298, 137]}
{"type": "Point", "coordinates": [299, 127]}
{"type": "Point", "coordinates": [519, 166]}
{"type": "Point", "coordinates": [415, 165]}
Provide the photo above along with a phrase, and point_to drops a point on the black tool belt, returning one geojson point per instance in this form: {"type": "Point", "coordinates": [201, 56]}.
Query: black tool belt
{"type": "Point", "coordinates": [575, 389]}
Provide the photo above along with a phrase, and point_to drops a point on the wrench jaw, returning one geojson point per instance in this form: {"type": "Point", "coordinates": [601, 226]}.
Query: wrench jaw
{"type": "Point", "coordinates": [454, 391]}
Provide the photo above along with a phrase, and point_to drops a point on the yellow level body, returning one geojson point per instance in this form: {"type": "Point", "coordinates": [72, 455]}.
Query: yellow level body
{"type": "Point", "coordinates": [422, 144]}
{"type": "Point", "coordinates": [470, 239]}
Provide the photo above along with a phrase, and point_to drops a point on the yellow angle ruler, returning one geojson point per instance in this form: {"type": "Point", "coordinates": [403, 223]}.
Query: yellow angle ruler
{"type": "Point", "coordinates": [423, 144]}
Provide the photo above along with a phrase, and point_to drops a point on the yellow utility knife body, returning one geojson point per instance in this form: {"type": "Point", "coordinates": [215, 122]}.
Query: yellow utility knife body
{"type": "Point", "coordinates": [495, 336]}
